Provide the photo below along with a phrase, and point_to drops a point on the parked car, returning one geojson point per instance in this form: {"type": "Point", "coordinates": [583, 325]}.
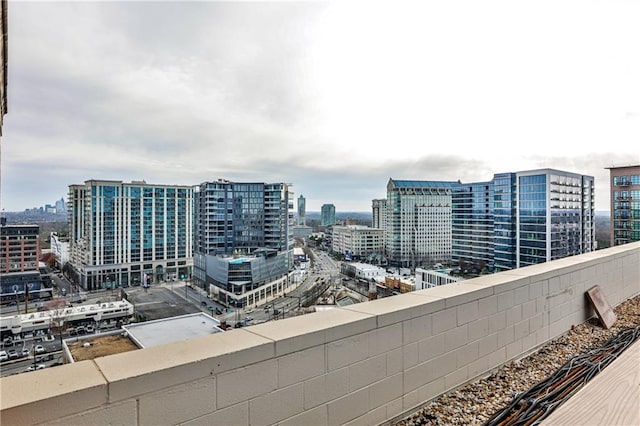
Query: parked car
{"type": "Point", "coordinates": [3, 356]}
{"type": "Point", "coordinates": [37, 367]}
{"type": "Point", "coordinates": [218, 311]}
{"type": "Point", "coordinates": [39, 349]}
{"type": "Point", "coordinates": [24, 352]}
{"type": "Point", "coordinates": [13, 354]}
{"type": "Point", "coordinates": [90, 329]}
{"type": "Point", "coordinates": [203, 303]}
{"type": "Point", "coordinates": [8, 341]}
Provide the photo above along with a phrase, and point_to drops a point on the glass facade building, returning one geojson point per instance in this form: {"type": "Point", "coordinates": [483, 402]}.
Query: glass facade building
{"type": "Point", "coordinates": [523, 218]}
{"type": "Point", "coordinates": [130, 233]}
{"type": "Point", "coordinates": [625, 204]}
{"type": "Point", "coordinates": [232, 219]}
{"type": "Point", "coordinates": [472, 225]}
{"type": "Point", "coordinates": [327, 215]}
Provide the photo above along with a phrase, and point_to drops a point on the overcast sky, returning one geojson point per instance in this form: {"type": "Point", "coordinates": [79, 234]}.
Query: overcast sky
{"type": "Point", "coordinates": [334, 98]}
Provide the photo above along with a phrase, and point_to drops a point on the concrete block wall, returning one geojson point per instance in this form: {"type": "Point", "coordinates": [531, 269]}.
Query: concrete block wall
{"type": "Point", "coordinates": [359, 365]}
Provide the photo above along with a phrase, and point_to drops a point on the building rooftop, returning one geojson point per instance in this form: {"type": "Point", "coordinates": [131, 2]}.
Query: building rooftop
{"type": "Point", "coordinates": [168, 330]}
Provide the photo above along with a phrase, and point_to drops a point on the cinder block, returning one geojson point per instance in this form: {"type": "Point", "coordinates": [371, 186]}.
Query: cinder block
{"type": "Point", "coordinates": [410, 355]}
{"type": "Point", "coordinates": [521, 329]}
{"type": "Point", "coordinates": [431, 390]}
{"type": "Point", "coordinates": [431, 347]}
{"type": "Point", "coordinates": [535, 323]}
{"type": "Point", "coordinates": [120, 413]}
{"type": "Point", "coordinates": [374, 416]}
{"type": "Point", "coordinates": [416, 329]}
{"type": "Point", "coordinates": [385, 339]}
{"type": "Point", "coordinates": [385, 391]}
{"type": "Point", "coordinates": [456, 378]}
{"type": "Point", "coordinates": [347, 351]}
{"type": "Point", "coordinates": [410, 399]}
{"type": "Point", "coordinates": [300, 366]}
{"type": "Point", "coordinates": [479, 367]}
{"type": "Point", "coordinates": [234, 415]}
{"type": "Point", "coordinates": [456, 338]}
{"type": "Point", "coordinates": [478, 329]}
{"type": "Point", "coordinates": [394, 361]}
{"type": "Point", "coordinates": [521, 295]}
{"type": "Point", "coordinates": [363, 373]}
{"type": "Point", "coordinates": [506, 336]}
{"type": "Point", "coordinates": [443, 320]}
{"type": "Point", "coordinates": [487, 306]}
{"type": "Point", "coordinates": [528, 309]}
{"type": "Point", "coordinates": [497, 322]}
{"type": "Point", "coordinates": [348, 407]}
{"type": "Point", "coordinates": [394, 408]}
{"type": "Point", "coordinates": [505, 300]}
{"type": "Point", "coordinates": [195, 399]}
{"type": "Point", "coordinates": [514, 349]}
{"type": "Point", "coordinates": [322, 389]}
{"type": "Point", "coordinates": [514, 314]}
{"type": "Point", "coordinates": [466, 354]}
{"type": "Point", "coordinates": [277, 405]}
{"type": "Point", "coordinates": [538, 289]}
{"type": "Point", "coordinates": [246, 383]}
{"type": "Point", "coordinates": [487, 344]}
{"type": "Point", "coordinates": [315, 417]}
{"type": "Point", "coordinates": [467, 312]}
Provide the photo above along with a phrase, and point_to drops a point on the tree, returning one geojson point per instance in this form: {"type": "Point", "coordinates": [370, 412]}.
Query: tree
{"type": "Point", "coordinates": [59, 314]}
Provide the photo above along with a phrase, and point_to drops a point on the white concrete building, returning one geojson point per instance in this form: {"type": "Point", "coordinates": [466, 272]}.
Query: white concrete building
{"type": "Point", "coordinates": [357, 240]}
{"type": "Point", "coordinates": [427, 278]}
{"type": "Point", "coordinates": [362, 270]}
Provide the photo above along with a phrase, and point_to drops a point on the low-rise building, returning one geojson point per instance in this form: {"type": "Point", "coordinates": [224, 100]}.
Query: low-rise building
{"type": "Point", "coordinates": [427, 278]}
{"type": "Point", "coordinates": [357, 242]}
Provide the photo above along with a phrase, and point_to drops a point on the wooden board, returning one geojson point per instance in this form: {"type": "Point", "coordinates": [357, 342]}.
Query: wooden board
{"type": "Point", "coordinates": [602, 307]}
{"type": "Point", "coordinates": [610, 398]}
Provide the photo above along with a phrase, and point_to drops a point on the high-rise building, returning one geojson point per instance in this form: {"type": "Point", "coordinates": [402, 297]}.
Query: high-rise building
{"type": "Point", "coordinates": [327, 215]}
{"type": "Point", "coordinates": [472, 226]}
{"type": "Point", "coordinates": [625, 204]}
{"type": "Point", "coordinates": [522, 218]}
{"type": "Point", "coordinates": [302, 221]}
{"type": "Point", "coordinates": [130, 233]}
{"type": "Point", "coordinates": [243, 240]}
{"type": "Point", "coordinates": [418, 231]}
{"type": "Point", "coordinates": [379, 213]}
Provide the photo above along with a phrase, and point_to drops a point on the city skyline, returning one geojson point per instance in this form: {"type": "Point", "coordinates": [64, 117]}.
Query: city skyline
{"type": "Point", "coordinates": [321, 95]}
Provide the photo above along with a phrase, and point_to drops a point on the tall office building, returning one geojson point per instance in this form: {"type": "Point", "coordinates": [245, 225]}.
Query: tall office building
{"type": "Point", "coordinates": [328, 215]}
{"type": "Point", "coordinates": [523, 218]}
{"type": "Point", "coordinates": [625, 204]}
{"type": "Point", "coordinates": [379, 213]}
{"type": "Point", "coordinates": [130, 233]}
{"type": "Point", "coordinates": [243, 240]}
{"type": "Point", "coordinates": [472, 226]}
{"type": "Point", "coordinates": [302, 208]}
{"type": "Point", "coordinates": [418, 231]}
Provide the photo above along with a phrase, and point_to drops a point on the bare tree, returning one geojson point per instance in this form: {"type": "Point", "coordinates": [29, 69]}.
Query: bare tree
{"type": "Point", "coordinates": [58, 315]}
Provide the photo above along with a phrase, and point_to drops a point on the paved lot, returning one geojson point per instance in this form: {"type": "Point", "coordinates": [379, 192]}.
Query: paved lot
{"type": "Point", "coordinates": [159, 302]}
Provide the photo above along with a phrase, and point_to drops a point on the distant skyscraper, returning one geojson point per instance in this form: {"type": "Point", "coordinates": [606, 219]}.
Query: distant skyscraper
{"type": "Point", "coordinates": [379, 213]}
{"type": "Point", "coordinates": [130, 233]}
{"type": "Point", "coordinates": [625, 204]}
{"type": "Point", "coordinates": [61, 206]}
{"type": "Point", "coordinates": [328, 215]}
{"type": "Point", "coordinates": [302, 221]}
